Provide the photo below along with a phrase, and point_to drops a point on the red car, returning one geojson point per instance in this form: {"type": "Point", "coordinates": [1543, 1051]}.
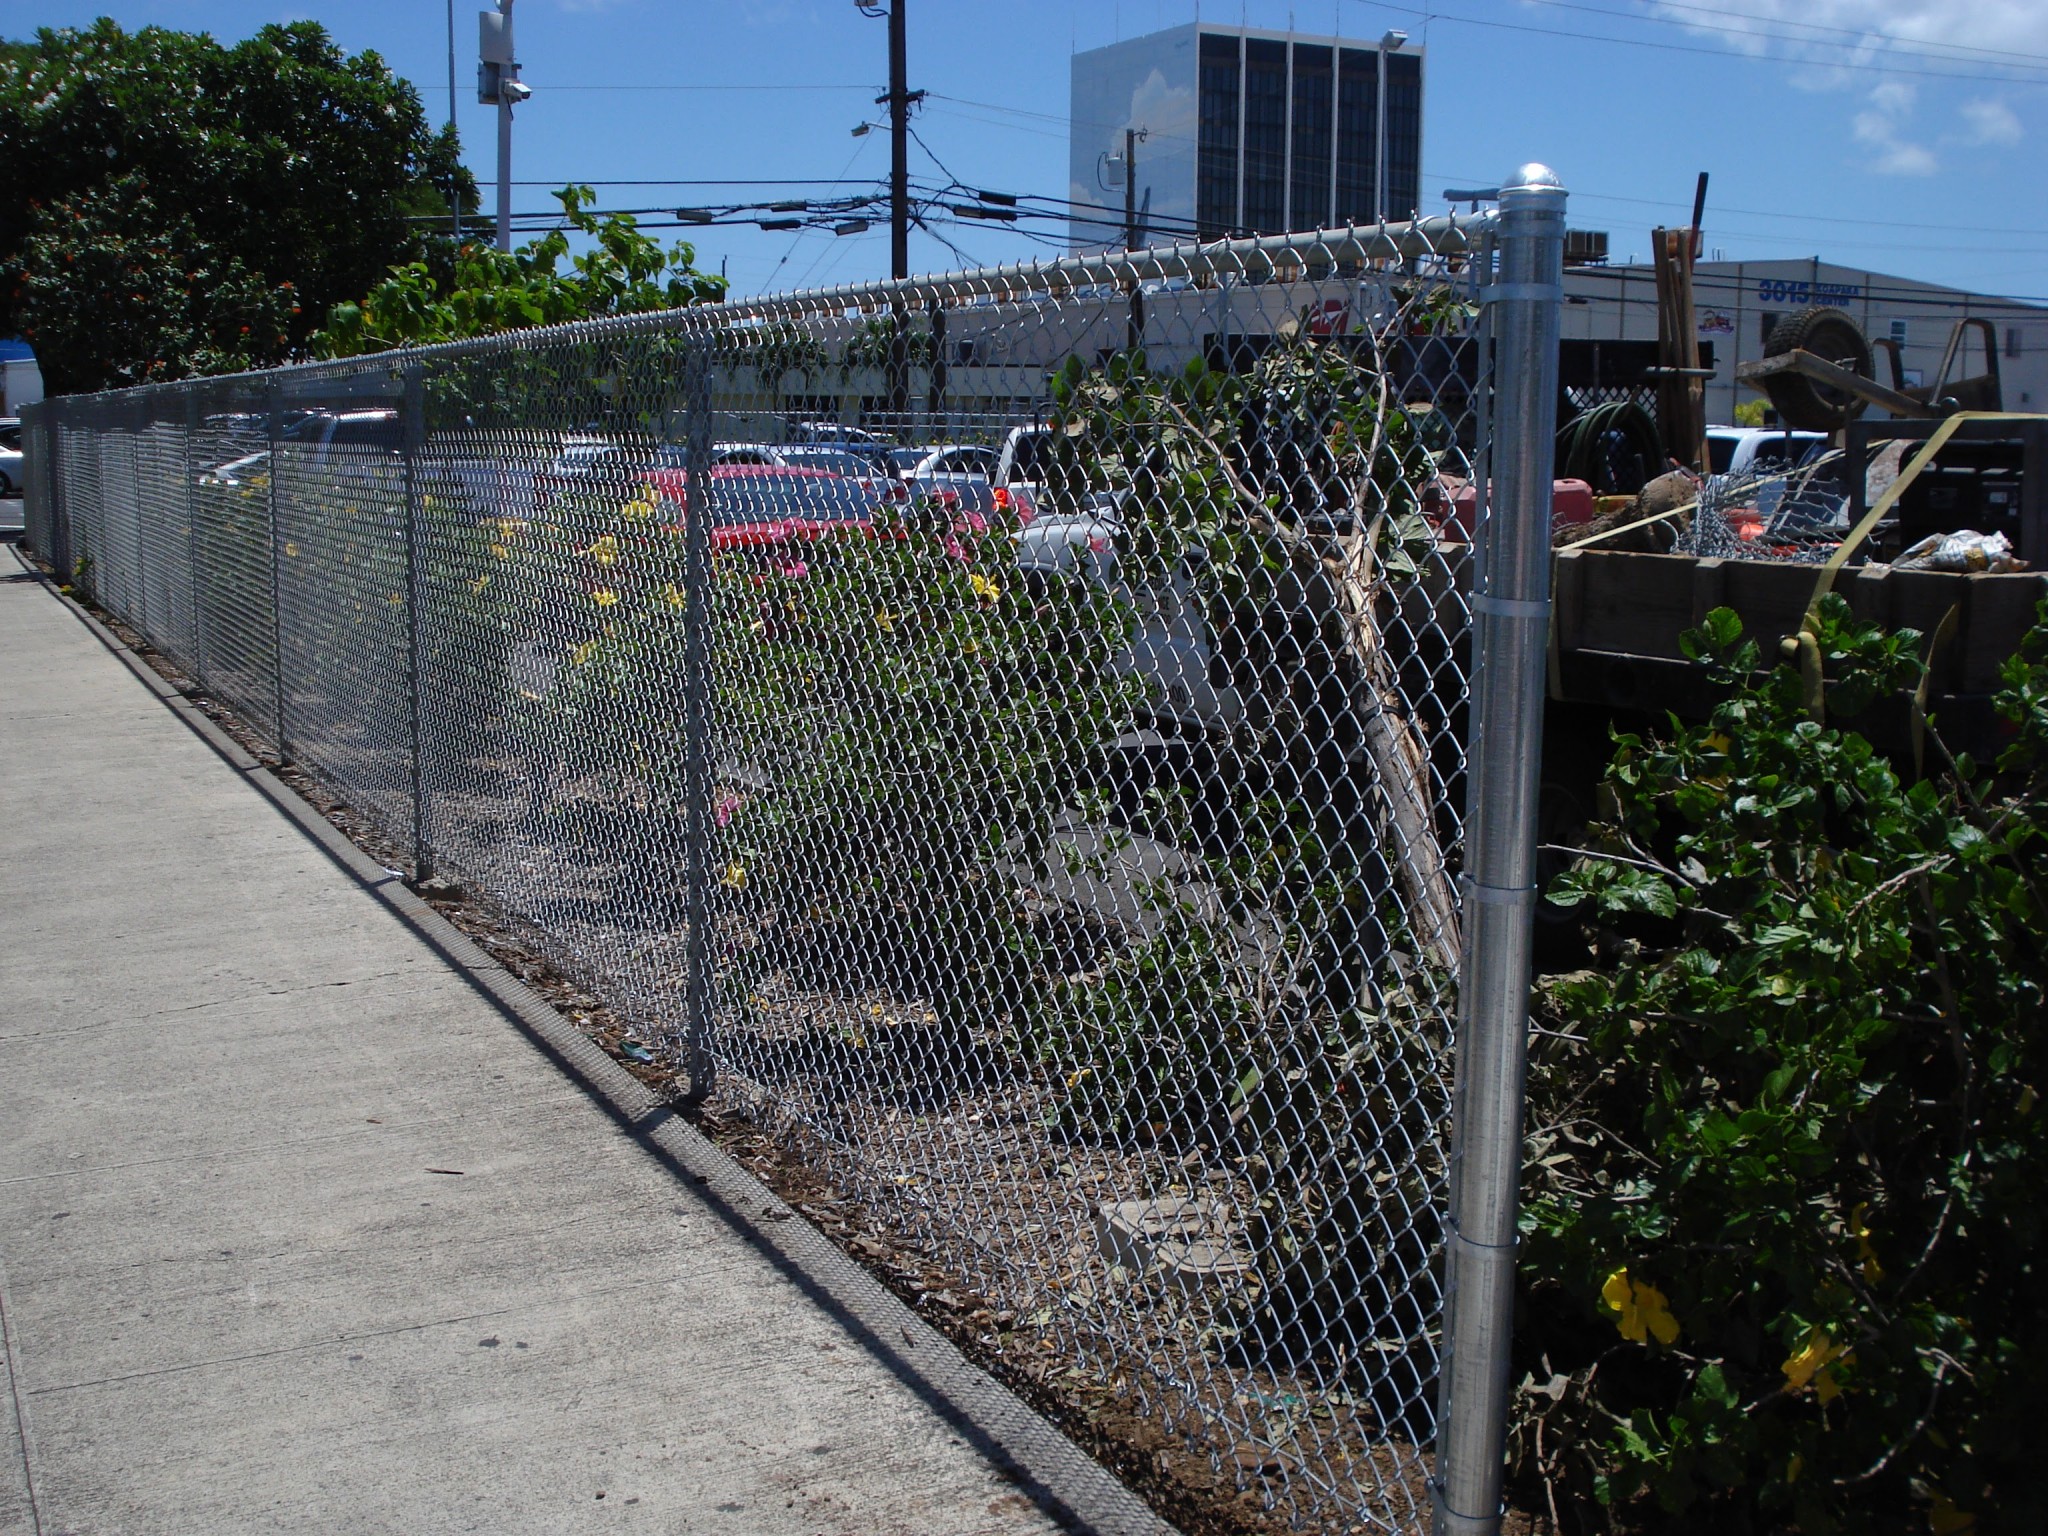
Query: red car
{"type": "Point", "coordinates": [774, 512]}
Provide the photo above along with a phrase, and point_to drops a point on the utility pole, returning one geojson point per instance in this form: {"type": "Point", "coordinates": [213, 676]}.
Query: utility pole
{"type": "Point", "coordinates": [497, 84]}
{"type": "Point", "coordinates": [505, 137]}
{"type": "Point", "coordinates": [1132, 136]}
{"type": "Point", "coordinates": [455, 168]}
{"type": "Point", "coordinates": [1134, 296]}
{"type": "Point", "coordinates": [1391, 42]}
{"type": "Point", "coordinates": [900, 98]}
{"type": "Point", "coordinates": [899, 144]}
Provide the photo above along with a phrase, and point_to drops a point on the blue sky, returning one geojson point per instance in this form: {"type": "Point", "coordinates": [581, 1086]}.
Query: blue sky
{"type": "Point", "coordinates": [1902, 135]}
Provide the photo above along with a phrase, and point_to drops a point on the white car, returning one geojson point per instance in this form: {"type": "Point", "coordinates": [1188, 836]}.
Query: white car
{"type": "Point", "coordinates": [10, 456]}
{"type": "Point", "coordinates": [1748, 452]}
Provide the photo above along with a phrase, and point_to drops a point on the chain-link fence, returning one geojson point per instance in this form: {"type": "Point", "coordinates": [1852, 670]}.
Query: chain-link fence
{"type": "Point", "coordinates": [1013, 732]}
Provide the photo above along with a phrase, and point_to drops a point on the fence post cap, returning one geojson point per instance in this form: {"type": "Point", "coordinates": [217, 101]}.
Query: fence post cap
{"type": "Point", "coordinates": [1532, 185]}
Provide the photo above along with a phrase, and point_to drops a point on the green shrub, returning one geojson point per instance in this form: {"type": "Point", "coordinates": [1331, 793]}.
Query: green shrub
{"type": "Point", "coordinates": [901, 727]}
{"type": "Point", "coordinates": [1783, 1233]}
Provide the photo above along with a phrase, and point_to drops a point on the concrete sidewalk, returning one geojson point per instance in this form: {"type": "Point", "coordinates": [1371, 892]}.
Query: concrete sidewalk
{"type": "Point", "coordinates": [302, 1229]}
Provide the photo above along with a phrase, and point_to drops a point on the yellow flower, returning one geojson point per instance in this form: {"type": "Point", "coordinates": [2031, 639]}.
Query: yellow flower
{"type": "Point", "coordinates": [508, 528]}
{"type": "Point", "coordinates": [583, 653]}
{"type": "Point", "coordinates": [735, 876]}
{"type": "Point", "coordinates": [605, 551]}
{"type": "Point", "coordinates": [1810, 1366]}
{"type": "Point", "coordinates": [885, 621]}
{"type": "Point", "coordinates": [395, 599]}
{"type": "Point", "coordinates": [985, 589]}
{"type": "Point", "coordinates": [290, 548]}
{"type": "Point", "coordinates": [1644, 1313]}
{"type": "Point", "coordinates": [502, 551]}
{"type": "Point", "coordinates": [1859, 1224]}
{"type": "Point", "coordinates": [672, 595]}
{"type": "Point", "coordinates": [639, 510]}
{"type": "Point", "coordinates": [604, 597]}
{"type": "Point", "coordinates": [480, 583]}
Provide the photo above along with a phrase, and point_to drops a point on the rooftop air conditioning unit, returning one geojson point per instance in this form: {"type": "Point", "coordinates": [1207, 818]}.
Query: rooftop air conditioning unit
{"type": "Point", "coordinates": [1585, 247]}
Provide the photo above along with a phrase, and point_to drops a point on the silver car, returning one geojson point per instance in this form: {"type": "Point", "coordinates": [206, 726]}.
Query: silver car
{"type": "Point", "coordinates": [966, 469]}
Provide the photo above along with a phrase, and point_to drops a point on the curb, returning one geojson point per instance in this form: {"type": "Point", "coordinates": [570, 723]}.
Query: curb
{"type": "Point", "coordinates": [1049, 1468]}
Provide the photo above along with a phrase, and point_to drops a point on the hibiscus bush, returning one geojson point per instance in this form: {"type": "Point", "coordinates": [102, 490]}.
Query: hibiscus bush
{"type": "Point", "coordinates": [902, 725]}
{"type": "Point", "coordinates": [1783, 1235]}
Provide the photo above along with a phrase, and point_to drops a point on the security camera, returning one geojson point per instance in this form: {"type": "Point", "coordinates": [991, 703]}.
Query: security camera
{"type": "Point", "coordinates": [515, 93]}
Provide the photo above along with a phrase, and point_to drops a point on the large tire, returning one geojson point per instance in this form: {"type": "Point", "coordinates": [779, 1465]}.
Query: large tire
{"type": "Point", "coordinates": [1807, 405]}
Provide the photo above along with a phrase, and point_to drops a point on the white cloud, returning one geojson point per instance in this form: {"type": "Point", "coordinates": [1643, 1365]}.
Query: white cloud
{"type": "Point", "coordinates": [1991, 122]}
{"type": "Point", "coordinates": [1886, 126]}
{"type": "Point", "coordinates": [1836, 43]}
{"type": "Point", "coordinates": [1869, 27]}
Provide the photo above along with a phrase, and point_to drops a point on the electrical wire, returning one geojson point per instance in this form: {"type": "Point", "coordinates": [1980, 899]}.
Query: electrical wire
{"type": "Point", "coordinates": [1722, 53]}
{"type": "Point", "coordinates": [1862, 36]}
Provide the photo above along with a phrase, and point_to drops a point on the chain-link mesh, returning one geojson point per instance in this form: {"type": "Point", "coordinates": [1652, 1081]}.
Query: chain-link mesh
{"type": "Point", "coordinates": [1061, 832]}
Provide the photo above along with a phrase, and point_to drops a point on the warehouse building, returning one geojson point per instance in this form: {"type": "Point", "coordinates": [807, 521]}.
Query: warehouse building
{"type": "Point", "coordinates": [1736, 305]}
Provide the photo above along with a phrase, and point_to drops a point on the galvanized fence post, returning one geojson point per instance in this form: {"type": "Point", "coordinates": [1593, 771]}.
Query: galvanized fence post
{"type": "Point", "coordinates": [138, 417]}
{"type": "Point", "coordinates": [192, 425]}
{"type": "Point", "coordinates": [698, 831]}
{"type": "Point", "coordinates": [1512, 616]}
{"type": "Point", "coordinates": [57, 509]}
{"type": "Point", "coordinates": [273, 426]}
{"type": "Point", "coordinates": [412, 434]}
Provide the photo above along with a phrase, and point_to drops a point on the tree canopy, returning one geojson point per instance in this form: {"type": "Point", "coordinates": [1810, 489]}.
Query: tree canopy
{"type": "Point", "coordinates": [170, 205]}
{"type": "Point", "coordinates": [622, 272]}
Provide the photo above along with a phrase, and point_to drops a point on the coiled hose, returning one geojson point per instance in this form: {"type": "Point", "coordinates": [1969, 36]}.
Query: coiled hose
{"type": "Point", "coordinates": [1613, 447]}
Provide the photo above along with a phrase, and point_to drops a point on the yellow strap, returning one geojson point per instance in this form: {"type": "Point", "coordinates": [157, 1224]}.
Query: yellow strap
{"type": "Point", "coordinates": [1890, 498]}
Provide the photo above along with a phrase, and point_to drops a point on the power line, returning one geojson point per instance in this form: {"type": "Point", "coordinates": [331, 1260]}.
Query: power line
{"type": "Point", "coordinates": [1719, 53]}
{"type": "Point", "coordinates": [763, 87]}
{"type": "Point", "coordinates": [811, 181]}
{"type": "Point", "coordinates": [1902, 45]}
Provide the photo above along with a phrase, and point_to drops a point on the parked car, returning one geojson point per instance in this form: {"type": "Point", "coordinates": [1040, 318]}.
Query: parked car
{"type": "Point", "coordinates": [600, 466]}
{"type": "Point", "coordinates": [773, 513]}
{"type": "Point", "coordinates": [10, 456]}
{"type": "Point", "coordinates": [1020, 471]}
{"type": "Point", "coordinates": [837, 461]}
{"type": "Point", "coordinates": [1751, 451]}
{"type": "Point", "coordinates": [1171, 648]}
{"type": "Point", "coordinates": [967, 470]}
{"type": "Point", "coordinates": [316, 438]}
{"type": "Point", "coordinates": [836, 433]}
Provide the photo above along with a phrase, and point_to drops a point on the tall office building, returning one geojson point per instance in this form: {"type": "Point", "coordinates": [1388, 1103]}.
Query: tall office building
{"type": "Point", "coordinates": [1245, 132]}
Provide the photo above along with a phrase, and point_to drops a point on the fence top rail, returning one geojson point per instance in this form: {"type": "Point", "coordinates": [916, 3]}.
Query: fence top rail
{"type": "Point", "coordinates": [1251, 257]}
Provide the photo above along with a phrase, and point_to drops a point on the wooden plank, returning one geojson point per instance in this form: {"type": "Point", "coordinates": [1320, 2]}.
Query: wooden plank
{"type": "Point", "coordinates": [1634, 603]}
{"type": "Point", "coordinates": [1708, 584]}
{"type": "Point", "coordinates": [2000, 611]}
{"type": "Point", "coordinates": [1771, 596]}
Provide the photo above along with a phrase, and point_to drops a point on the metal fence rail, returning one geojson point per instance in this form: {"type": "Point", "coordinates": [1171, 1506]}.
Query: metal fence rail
{"type": "Point", "coordinates": [1024, 733]}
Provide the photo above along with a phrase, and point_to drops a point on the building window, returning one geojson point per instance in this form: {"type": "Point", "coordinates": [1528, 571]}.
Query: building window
{"type": "Point", "coordinates": [1308, 204]}
{"type": "Point", "coordinates": [1404, 135]}
{"type": "Point", "coordinates": [1357, 103]}
{"type": "Point", "coordinates": [1768, 325]}
{"type": "Point", "coordinates": [2012, 341]}
{"type": "Point", "coordinates": [1216, 176]}
{"type": "Point", "coordinates": [1898, 333]}
{"type": "Point", "coordinates": [1265, 136]}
